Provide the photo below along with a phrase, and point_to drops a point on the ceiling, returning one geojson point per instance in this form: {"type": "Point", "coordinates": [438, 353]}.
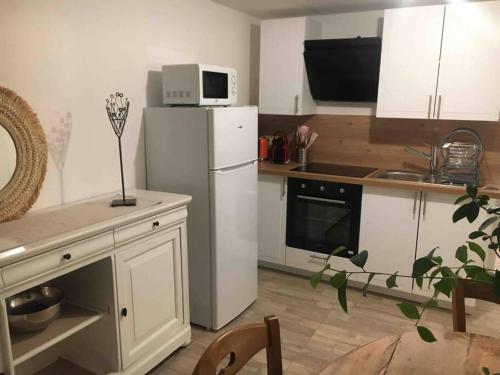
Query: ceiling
{"type": "Point", "coordinates": [290, 8]}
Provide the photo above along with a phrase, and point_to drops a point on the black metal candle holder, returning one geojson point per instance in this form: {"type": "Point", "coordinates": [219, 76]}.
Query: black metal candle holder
{"type": "Point", "coordinates": [117, 109]}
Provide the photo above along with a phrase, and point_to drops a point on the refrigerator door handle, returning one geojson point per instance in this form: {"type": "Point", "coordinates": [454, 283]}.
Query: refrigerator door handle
{"type": "Point", "coordinates": [233, 168]}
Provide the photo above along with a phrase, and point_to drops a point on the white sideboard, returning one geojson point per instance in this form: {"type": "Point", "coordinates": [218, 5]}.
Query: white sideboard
{"type": "Point", "coordinates": [124, 274]}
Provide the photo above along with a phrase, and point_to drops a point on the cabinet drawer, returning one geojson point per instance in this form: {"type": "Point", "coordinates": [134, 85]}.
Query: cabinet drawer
{"type": "Point", "coordinates": [55, 259]}
{"type": "Point", "coordinates": [147, 226]}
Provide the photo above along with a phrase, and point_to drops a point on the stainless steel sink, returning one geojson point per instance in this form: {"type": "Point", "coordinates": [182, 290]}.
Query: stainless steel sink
{"type": "Point", "coordinates": [401, 176]}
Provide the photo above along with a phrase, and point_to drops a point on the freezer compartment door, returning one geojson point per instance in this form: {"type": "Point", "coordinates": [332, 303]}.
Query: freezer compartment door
{"type": "Point", "coordinates": [234, 241]}
{"type": "Point", "coordinates": [233, 136]}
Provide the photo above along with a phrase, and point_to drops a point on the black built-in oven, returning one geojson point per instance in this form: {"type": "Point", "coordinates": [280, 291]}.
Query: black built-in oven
{"type": "Point", "coordinates": [322, 216]}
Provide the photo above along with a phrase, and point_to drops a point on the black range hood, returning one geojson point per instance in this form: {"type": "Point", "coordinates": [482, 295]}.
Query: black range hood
{"type": "Point", "coordinates": [343, 69]}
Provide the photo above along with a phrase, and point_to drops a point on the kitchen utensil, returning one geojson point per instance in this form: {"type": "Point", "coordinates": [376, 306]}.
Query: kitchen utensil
{"type": "Point", "coordinates": [263, 148]}
{"type": "Point", "coordinates": [280, 153]}
{"type": "Point", "coordinates": [312, 138]}
{"type": "Point", "coordinates": [34, 309]}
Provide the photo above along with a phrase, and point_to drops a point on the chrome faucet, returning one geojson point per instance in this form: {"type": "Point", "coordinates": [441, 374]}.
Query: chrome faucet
{"type": "Point", "coordinates": [431, 156]}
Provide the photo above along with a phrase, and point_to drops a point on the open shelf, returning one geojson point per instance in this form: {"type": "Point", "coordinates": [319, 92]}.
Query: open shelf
{"type": "Point", "coordinates": [71, 320]}
{"type": "Point", "coordinates": [63, 367]}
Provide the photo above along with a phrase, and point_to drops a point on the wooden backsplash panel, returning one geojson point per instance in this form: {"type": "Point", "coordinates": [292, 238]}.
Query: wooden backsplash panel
{"type": "Point", "coordinates": [371, 141]}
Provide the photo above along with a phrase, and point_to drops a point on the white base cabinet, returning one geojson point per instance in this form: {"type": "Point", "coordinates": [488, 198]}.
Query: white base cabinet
{"type": "Point", "coordinates": [124, 275]}
{"type": "Point", "coordinates": [150, 284]}
{"type": "Point", "coordinates": [271, 192]}
{"type": "Point", "coordinates": [436, 229]}
{"type": "Point", "coordinates": [388, 231]}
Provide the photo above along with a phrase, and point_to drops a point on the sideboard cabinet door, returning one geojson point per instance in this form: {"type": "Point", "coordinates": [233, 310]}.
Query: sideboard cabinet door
{"type": "Point", "coordinates": [150, 298]}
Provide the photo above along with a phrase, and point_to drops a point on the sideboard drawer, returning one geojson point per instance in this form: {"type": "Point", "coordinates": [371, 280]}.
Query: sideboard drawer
{"type": "Point", "coordinates": [56, 259]}
{"type": "Point", "coordinates": [149, 225]}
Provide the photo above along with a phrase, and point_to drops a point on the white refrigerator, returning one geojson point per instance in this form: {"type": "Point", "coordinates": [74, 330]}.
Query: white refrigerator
{"type": "Point", "coordinates": [211, 154]}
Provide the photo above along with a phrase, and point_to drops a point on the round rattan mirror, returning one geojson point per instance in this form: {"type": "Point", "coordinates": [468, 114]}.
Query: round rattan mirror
{"type": "Point", "coordinates": [25, 151]}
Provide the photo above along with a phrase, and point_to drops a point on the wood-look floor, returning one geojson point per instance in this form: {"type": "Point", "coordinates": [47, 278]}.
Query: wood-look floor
{"type": "Point", "coordinates": [315, 331]}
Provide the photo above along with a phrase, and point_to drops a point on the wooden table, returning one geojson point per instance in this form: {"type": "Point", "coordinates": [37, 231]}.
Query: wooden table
{"type": "Point", "coordinates": [453, 353]}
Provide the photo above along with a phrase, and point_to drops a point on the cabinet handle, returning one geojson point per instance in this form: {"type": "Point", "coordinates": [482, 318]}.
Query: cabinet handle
{"type": "Point", "coordinates": [425, 205]}
{"type": "Point", "coordinates": [67, 256]}
{"type": "Point", "coordinates": [318, 257]}
{"type": "Point", "coordinates": [415, 204]}
{"type": "Point", "coordinates": [283, 188]}
{"type": "Point", "coordinates": [296, 108]}
{"type": "Point", "coordinates": [156, 224]}
{"type": "Point", "coordinates": [124, 312]}
{"type": "Point", "coordinates": [439, 107]}
{"type": "Point", "coordinates": [430, 105]}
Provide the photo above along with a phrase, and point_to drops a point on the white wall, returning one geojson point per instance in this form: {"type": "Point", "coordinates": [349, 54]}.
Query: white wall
{"type": "Point", "coordinates": [349, 25]}
{"type": "Point", "coordinates": [68, 55]}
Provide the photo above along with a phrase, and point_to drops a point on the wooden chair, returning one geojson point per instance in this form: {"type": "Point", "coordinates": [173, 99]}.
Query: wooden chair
{"type": "Point", "coordinates": [469, 289]}
{"type": "Point", "coordinates": [241, 344]}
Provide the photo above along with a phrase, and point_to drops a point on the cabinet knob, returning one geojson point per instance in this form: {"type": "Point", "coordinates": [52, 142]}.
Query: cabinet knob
{"type": "Point", "coordinates": [156, 224]}
{"type": "Point", "coordinates": [67, 256]}
{"type": "Point", "coordinates": [124, 312]}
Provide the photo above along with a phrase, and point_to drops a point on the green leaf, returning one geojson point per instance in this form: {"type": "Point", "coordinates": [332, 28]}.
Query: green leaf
{"type": "Point", "coordinates": [461, 199]}
{"type": "Point", "coordinates": [431, 253]}
{"type": "Point", "coordinates": [391, 281]}
{"type": "Point", "coordinates": [421, 266]}
{"type": "Point", "coordinates": [471, 191]}
{"type": "Point", "coordinates": [338, 250]}
{"type": "Point", "coordinates": [420, 281]}
{"type": "Point", "coordinates": [477, 249]}
{"type": "Point", "coordinates": [425, 334]}
{"type": "Point", "coordinates": [450, 276]}
{"type": "Point", "coordinates": [461, 254]}
{"type": "Point", "coordinates": [486, 371]}
{"type": "Point", "coordinates": [365, 288]}
{"type": "Point", "coordinates": [433, 275]}
{"type": "Point", "coordinates": [315, 279]}
{"type": "Point", "coordinates": [360, 259]}
{"type": "Point", "coordinates": [476, 234]}
{"type": "Point", "coordinates": [482, 200]}
{"type": "Point", "coordinates": [485, 224]}
{"type": "Point", "coordinates": [338, 279]}
{"type": "Point", "coordinates": [444, 286]}
{"type": "Point", "coordinates": [342, 296]}
{"type": "Point", "coordinates": [438, 260]}
{"type": "Point", "coordinates": [485, 277]}
{"type": "Point", "coordinates": [409, 310]}
{"type": "Point", "coordinates": [472, 271]}
{"type": "Point", "coordinates": [469, 210]}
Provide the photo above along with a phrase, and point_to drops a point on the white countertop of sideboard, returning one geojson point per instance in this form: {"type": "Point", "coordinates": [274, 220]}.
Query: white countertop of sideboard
{"type": "Point", "coordinates": [46, 229]}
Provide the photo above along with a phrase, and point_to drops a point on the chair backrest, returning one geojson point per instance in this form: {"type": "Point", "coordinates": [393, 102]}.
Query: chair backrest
{"type": "Point", "coordinates": [241, 344]}
{"type": "Point", "coordinates": [469, 289]}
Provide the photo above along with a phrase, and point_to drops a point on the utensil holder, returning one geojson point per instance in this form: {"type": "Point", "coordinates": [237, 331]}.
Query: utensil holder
{"type": "Point", "coordinates": [302, 156]}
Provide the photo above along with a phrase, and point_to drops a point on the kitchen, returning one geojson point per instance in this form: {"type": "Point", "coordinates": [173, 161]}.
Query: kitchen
{"type": "Point", "coordinates": [354, 165]}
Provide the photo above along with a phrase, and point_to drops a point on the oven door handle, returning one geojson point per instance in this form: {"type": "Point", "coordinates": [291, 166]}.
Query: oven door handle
{"type": "Point", "coordinates": [317, 199]}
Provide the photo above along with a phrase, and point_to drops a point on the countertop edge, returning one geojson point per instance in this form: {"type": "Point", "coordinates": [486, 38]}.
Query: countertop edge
{"type": "Point", "coordinates": [284, 170]}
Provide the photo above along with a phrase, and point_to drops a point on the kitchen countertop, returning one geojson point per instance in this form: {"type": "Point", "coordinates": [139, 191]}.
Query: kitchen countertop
{"type": "Point", "coordinates": [285, 170]}
{"type": "Point", "coordinates": [44, 230]}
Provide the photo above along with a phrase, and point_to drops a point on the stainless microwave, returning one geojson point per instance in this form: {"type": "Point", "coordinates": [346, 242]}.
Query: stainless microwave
{"type": "Point", "coordinates": [197, 84]}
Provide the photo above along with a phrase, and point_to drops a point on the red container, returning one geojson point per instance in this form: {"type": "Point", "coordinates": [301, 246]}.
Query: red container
{"type": "Point", "coordinates": [263, 148]}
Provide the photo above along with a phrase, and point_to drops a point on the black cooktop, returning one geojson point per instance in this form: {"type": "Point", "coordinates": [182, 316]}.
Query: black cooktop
{"type": "Point", "coordinates": [335, 169]}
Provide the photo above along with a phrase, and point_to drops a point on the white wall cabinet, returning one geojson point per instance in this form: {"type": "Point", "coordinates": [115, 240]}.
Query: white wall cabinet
{"type": "Point", "coordinates": [441, 62]}
{"type": "Point", "coordinates": [409, 66]}
{"type": "Point", "coordinates": [388, 230]}
{"type": "Point", "coordinates": [271, 218]}
{"type": "Point", "coordinates": [283, 85]}
{"type": "Point", "coordinates": [150, 293]}
{"type": "Point", "coordinates": [469, 74]}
